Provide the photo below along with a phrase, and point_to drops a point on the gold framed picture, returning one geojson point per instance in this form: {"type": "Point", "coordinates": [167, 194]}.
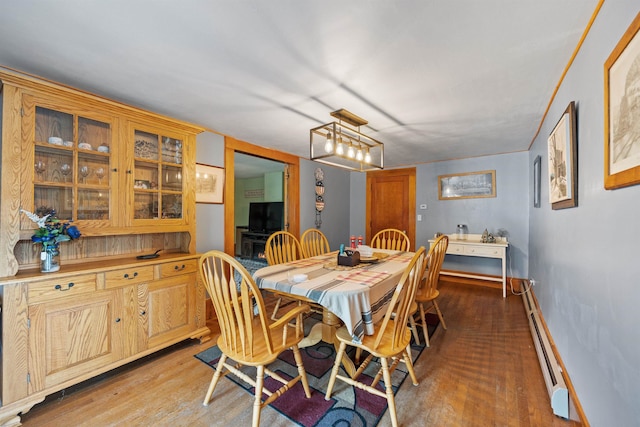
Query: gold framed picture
{"type": "Point", "coordinates": [622, 111]}
{"type": "Point", "coordinates": [467, 185]}
{"type": "Point", "coordinates": [209, 184]}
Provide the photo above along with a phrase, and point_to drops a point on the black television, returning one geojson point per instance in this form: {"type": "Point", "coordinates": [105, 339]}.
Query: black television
{"type": "Point", "coordinates": [266, 217]}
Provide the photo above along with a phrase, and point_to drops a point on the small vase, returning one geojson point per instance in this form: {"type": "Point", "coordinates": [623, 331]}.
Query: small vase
{"type": "Point", "coordinates": [49, 261]}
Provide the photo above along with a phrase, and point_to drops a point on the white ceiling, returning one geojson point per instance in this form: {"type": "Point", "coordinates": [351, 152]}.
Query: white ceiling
{"type": "Point", "coordinates": [436, 79]}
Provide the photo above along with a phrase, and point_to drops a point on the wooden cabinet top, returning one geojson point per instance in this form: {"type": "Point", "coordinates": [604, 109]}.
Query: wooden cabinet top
{"type": "Point", "coordinates": [101, 266]}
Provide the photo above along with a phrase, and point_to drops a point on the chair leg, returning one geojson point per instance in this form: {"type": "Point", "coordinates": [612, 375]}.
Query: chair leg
{"type": "Point", "coordinates": [409, 363]}
{"type": "Point", "coordinates": [301, 372]}
{"type": "Point", "coordinates": [275, 310]}
{"type": "Point", "coordinates": [435, 304]}
{"type": "Point", "coordinates": [257, 402]}
{"type": "Point", "coordinates": [334, 371]}
{"type": "Point", "coordinates": [214, 380]}
{"type": "Point", "coordinates": [424, 324]}
{"type": "Point", "coordinates": [389, 391]}
{"type": "Point", "coordinates": [414, 329]}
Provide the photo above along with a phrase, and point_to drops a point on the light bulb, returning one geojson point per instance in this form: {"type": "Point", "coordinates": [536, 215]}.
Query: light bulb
{"type": "Point", "coordinates": [328, 146]}
{"type": "Point", "coordinates": [351, 152]}
{"type": "Point", "coordinates": [367, 157]}
{"type": "Point", "coordinates": [340, 148]}
{"type": "Point", "coordinates": [359, 155]}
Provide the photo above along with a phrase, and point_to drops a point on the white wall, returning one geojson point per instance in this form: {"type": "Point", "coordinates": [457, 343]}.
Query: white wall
{"type": "Point", "coordinates": [585, 259]}
{"type": "Point", "coordinates": [209, 217]}
{"type": "Point", "coordinates": [507, 212]}
{"type": "Point", "coordinates": [335, 216]}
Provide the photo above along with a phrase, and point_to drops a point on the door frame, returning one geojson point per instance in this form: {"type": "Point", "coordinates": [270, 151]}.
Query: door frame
{"type": "Point", "coordinates": [411, 172]}
{"type": "Point", "coordinates": [292, 189]}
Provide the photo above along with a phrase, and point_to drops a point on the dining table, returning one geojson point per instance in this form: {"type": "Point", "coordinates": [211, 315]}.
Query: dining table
{"type": "Point", "coordinates": [355, 296]}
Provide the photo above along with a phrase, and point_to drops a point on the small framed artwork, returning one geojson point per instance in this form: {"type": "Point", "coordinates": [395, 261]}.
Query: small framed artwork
{"type": "Point", "coordinates": [536, 181]}
{"type": "Point", "coordinates": [467, 185]}
{"type": "Point", "coordinates": [622, 111]}
{"type": "Point", "coordinates": [563, 164]}
{"type": "Point", "coordinates": [209, 184]}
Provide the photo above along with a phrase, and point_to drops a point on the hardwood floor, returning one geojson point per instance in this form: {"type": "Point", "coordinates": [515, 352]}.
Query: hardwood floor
{"type": "Point", "coordinates": [481, 371]}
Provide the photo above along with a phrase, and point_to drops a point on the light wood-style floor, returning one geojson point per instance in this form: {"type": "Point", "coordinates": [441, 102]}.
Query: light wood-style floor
{"type": "Point", "coordinates": [481, 371]}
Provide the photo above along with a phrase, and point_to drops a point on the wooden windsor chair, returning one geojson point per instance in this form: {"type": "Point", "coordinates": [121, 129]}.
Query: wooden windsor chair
{"type": "Point", "coordinates": [314, 243]}
{"type": "Point", "coordinates": [426, 297]}
{"type": "Point", "coordinates": [390, 341]}
{"type": "Point", "coordinates": [282, 247]}
{"type": "Point", "coordinates": [246, 334]}
{"type": "Point", "coordinates": [390, 238]}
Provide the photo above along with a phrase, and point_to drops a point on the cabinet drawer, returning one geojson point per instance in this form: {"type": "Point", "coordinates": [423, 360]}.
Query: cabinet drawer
{"type": "Point", "coordinates": [486, 251]}
{"type": "Point", "coordinates": [170, 269]}
{"type": "Point", "coordinates": [128, 276]}
{"type": "Point", "coordinates": [46, 290]}
{"type": "Point", "coordinates": [455, 249]}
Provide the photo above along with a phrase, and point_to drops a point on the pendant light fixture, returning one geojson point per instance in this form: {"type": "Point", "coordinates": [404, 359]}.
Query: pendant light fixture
{"type": "Point", "coordinates": [340, 143]}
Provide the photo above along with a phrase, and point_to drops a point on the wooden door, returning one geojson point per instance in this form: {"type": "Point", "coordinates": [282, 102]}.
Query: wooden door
{"type": "Point", "coordinates": [391, 202]}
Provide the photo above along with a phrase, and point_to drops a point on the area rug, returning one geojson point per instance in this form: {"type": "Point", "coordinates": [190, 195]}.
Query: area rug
{"type": "Point", "coordinates": [347, 406]}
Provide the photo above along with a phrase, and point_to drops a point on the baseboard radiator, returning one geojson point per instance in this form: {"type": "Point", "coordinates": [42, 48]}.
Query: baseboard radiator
{"type": "Point", "coordinates": [551, 369]}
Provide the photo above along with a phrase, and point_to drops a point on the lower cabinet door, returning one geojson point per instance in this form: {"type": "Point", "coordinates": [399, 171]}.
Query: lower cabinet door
{"type": "Point", "coordinates": [72, 337]}
{"type": "Point", "coordinates": [167, 310]}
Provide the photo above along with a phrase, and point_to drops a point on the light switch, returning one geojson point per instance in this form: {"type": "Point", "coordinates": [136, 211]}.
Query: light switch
{"type": "Point", "coordinates": [419, 217]}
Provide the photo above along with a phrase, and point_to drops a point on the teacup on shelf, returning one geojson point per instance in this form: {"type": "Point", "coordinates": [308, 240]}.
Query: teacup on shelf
{"type": "Point", "coordinates": [55, 140]}
{"type": "Point", "coordinates": [85, 146]}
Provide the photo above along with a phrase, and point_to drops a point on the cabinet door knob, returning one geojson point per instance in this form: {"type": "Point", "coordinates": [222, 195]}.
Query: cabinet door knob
{"type": "Point", "coordinates": [126, 276]}
{"type": "Point", "coordinates": [117, 320]}
{"type": "Point", "coordinates": [143, 312]}
{"type": "Point", "coordinates": [114, 169]}
{"type": "Point", "coordinates": [129, 172]}
{"type": "Point", "coordinates": [66, 288]}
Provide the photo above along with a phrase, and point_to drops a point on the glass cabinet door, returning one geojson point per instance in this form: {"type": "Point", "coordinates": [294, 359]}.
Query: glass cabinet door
{"type": "Point", "coordinates": [157, 176]}
{"type": "Point", "coordinates": [72, 166]}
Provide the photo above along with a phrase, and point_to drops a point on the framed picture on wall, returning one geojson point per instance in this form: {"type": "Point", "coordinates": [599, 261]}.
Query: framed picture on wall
{"type": "Point", "coordinates": [563, 164]}
{"type": "Point", "coordinates": [622, 111]}
{"type": "Point", "coordinates": [209, 184]}
{"type": "Point", "coordinates": [467, 185]}
{"type": "Point", "coordinates": [536, 181]}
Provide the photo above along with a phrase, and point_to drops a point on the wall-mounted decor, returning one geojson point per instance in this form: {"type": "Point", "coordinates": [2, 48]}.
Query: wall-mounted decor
{"type": "Point", "coordinates": [536, 181]}
{"type": "Point", "coordinates": [563, 161]}
{"type": "Point", "coordinates": [254, 194]}
{"type": "Point", "coordinates": [622, 111]}
{"type": "Point", "coordinates": [319, 175]}
{"type": "Point", "coordinates": [209, 184]}
{"type": "Point", "coordinates": [467, 185]}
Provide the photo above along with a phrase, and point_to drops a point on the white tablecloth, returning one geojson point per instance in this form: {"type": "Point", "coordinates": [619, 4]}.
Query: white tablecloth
{"type": "Point", "coordinates": [358, 296]}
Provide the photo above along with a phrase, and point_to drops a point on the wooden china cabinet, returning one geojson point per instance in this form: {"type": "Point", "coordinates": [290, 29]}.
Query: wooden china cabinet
{"type": "Point", "coordinates": [125, 178]}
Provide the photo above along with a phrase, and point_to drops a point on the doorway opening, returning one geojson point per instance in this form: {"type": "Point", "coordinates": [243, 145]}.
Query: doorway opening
{"type": "Point", "coordinates": [258, 204]}
{"type": "Point", "coordinates": [277, 167]}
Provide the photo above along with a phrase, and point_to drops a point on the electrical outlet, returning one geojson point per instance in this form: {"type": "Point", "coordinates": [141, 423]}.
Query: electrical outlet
{"type": "Point", "coordinates": [532, 281]}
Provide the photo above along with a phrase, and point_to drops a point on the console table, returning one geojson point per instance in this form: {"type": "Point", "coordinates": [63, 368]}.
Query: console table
{"type": "Point", "coordinates": [473, 246]}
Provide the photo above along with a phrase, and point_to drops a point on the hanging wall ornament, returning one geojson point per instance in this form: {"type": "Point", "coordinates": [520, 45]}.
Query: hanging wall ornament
{"type": "Point", "coordinates": [319, 175]}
